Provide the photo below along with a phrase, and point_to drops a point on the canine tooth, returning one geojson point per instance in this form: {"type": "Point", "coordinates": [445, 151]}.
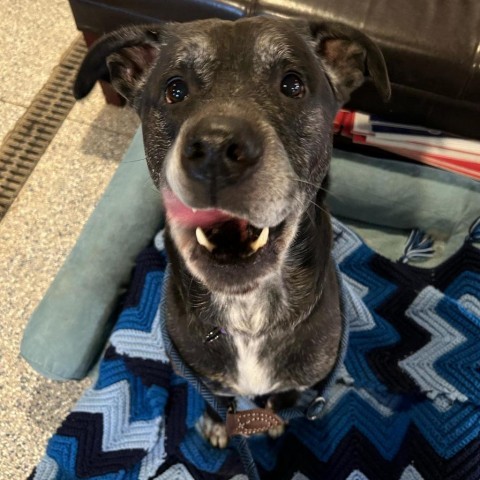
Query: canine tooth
{"type": "Point", "coordinates": [261, 241]}
{"type": "Point", "coordinates": [203, 240]}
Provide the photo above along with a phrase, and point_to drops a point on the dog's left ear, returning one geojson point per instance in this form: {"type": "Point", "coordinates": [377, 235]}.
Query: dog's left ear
{"type": "Point", "coordinates": [348, 55]}
{"type": "Point", "coordinates": [123, 58]}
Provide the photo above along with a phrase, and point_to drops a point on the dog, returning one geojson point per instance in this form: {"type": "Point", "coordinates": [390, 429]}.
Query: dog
{"type": "Point", "coordinates": [237, 123]}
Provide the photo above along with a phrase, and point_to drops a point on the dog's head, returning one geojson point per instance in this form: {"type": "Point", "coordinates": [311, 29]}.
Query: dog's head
{"type": "Point", "coordinates": [237, 120]}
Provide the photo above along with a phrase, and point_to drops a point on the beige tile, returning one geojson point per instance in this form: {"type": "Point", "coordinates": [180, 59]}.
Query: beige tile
{"type": "Point", "coordinates": [36, 235]}
{"type": "Point", "coordinates": [9, 114]}
{"type": "Point", "coordinates": [57, 199]}
{"type": "Point", "coordinates": [94, 110]}
{"type": "Point", "coordinates": [33, 37]}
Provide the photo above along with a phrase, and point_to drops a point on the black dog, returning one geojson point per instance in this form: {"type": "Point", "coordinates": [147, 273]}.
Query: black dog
{"type": "Point", "coordinates": [237, 120]}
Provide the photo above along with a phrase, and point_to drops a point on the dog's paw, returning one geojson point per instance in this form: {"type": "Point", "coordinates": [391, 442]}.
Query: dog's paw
{"type": "Point", "coordinates": [214, 432]}
{"type": "Point", "coordinates": [277, 431]}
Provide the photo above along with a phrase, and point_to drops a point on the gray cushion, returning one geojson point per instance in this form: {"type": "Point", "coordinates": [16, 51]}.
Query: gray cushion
{"type": "Point", "coordinates": [383, 200]}
{"type": "Point", "coordinates": [68, 329]}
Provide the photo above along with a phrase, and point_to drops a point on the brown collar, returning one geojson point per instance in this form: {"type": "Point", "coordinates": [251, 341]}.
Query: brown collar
{"type": "Point", "coordinates": [248, 422]}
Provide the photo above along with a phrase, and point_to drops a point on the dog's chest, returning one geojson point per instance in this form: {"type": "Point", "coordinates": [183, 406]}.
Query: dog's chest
{"type": "Point", "coordinates": [245, 320]}
{"type": "Point", "coordinates": [247, 315]}
{"type": "Point", "coordinates": [254, 374]}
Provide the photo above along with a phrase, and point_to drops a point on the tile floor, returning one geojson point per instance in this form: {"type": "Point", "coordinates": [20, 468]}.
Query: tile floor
{"type": "Point", "coordinates": [42, 226]}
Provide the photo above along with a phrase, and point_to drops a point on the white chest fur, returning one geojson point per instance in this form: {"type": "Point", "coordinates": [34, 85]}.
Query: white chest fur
{"type": "Point", "coordinates": [255, 375]}
{"type": "Point", "coordinates": [245, 318]}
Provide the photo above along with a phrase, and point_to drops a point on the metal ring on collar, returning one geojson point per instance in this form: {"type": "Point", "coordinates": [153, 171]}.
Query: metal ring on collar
{"type": "Point", "coordinates": [315, 408]}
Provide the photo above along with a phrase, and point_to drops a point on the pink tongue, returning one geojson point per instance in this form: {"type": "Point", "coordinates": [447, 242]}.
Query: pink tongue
{"type": "Point", "coordinates": [178, 212]}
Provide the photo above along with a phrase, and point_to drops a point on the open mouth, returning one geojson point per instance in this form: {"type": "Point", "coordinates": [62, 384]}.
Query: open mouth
{"type": "Point", "coordinates": [221, 236]}
{"type": "Point", "coordinates": [234, 239]}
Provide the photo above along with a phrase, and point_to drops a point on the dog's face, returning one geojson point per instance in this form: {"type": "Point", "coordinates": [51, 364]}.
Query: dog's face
{"type": "Point", "coordinates": [247, 110]}
{"type": "Point", "coordinates": [237, 123]}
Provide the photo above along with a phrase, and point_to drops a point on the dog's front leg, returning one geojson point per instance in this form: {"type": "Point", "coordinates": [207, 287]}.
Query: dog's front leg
{"type": "Point", "coordinates": [278, 402]}
{"type": "Point", "coordinates": [213, 429]}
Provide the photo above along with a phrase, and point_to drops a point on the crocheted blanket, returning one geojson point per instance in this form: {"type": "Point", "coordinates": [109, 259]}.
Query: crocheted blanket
{"type": "Point", "coordinates": [404, 405]}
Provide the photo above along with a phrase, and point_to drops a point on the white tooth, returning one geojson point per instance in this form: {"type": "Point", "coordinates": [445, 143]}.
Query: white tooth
{"type": "Point", "coordinates": [261, 241]}
{"type": "Point", "coordinates": [194, 210]}
{"type": "Point", "coordinates": [203, 240]}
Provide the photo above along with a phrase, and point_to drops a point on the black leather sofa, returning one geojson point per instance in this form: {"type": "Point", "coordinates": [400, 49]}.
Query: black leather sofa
{"type": "Point", "coordinates": [432, 47]}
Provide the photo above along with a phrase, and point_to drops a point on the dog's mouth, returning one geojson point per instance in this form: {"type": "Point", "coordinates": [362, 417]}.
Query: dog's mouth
{"type": "Point", "coordinates": [221, 236]}
{"type": "Point", "coordinates": [235, 239]}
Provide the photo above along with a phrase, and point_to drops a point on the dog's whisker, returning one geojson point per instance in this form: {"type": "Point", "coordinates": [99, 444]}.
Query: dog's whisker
{"type": "Point", "coordinates": [296, 179]}
{"type": "Point", "coordinates": [312, 220]}
{"type": "Point", "coordinates": [136, 160]}
{"type": "Point", "coordinates": [302, 204]}
{"type": "Point", "coordinates": [329, 192]}
{"type": "Point", "coordinates": [319, 187]}
{"type": "Point", "coordinates": [319, 207]}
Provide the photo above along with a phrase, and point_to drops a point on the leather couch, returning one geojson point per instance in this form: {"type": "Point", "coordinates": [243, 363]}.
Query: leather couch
{"type": "Point", "coordinates": [432, 47]}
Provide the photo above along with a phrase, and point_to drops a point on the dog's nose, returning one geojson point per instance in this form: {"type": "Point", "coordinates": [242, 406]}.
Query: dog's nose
{"type": "Point", "coordinates": [221, 150]}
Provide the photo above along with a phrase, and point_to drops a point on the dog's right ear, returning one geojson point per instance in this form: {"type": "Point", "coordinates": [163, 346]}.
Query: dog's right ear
{"type": "Point", "coordinates": [123, 58]}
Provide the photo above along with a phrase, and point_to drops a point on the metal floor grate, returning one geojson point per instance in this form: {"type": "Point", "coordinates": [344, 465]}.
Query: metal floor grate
{"type": "Point", "coordinates": [25, 144]}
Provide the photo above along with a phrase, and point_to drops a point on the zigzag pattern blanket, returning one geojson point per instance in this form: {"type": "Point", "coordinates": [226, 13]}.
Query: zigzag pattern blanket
{"type": "Point", "coordinates": [406, 404]}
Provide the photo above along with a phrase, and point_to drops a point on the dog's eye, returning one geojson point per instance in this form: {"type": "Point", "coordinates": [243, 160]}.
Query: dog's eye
{"type": "Point", "coordinates": [176, 91]}
{"type": "Point", "coordinates": [292, 86]}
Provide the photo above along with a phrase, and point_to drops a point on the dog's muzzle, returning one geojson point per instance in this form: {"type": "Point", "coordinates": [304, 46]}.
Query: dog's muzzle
{"type": "Point", "coordinates": [226, 199]}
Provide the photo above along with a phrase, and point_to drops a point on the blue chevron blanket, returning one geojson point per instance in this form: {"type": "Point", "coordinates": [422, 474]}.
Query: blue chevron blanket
{"type": "Point", "coordinates": [405, 403]}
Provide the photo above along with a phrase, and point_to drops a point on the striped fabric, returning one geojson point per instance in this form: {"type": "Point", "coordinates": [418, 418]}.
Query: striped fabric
{"type": "Point", "coordinates": [405, 405]}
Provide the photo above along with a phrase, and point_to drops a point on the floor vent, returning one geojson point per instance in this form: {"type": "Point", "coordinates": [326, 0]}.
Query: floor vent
{"type": "Point", "coordinates": [25, 144]}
